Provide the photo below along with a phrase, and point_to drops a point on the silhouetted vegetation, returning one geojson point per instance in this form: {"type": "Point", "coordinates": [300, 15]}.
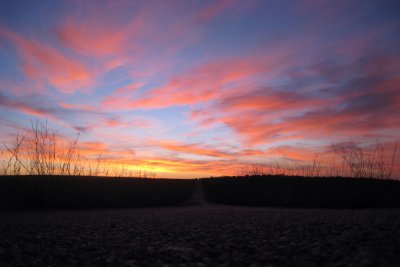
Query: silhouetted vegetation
{"type": "Point", "coordinates": [294, 191]}
{"type": "Point", "coordinates": [348, 159]}
{"type": "Point", "coordinates": [40, 151]}
{"type": "Point", "coordinates": [48, 192]}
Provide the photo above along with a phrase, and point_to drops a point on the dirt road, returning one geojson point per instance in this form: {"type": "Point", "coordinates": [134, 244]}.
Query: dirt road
{"type": "Point", "coordinates": [201, 236]}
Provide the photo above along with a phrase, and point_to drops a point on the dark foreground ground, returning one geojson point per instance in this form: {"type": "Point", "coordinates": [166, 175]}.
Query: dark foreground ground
{"type": "Point", "coordinates": [201, 236]}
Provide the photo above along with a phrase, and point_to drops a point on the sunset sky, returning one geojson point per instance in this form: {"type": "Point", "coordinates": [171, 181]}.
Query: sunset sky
{"type": "Point", "coordinates": [199, 88]}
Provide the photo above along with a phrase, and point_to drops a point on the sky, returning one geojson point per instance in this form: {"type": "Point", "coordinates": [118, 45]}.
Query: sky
{"type": "Point", "coordinates": [201, 88]}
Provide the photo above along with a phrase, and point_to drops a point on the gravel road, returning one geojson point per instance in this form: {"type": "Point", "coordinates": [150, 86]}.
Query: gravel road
{"type": "Point", "coordinates": [201, 236]}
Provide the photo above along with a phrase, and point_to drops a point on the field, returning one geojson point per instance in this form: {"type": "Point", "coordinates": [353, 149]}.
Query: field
{"type": "Point", "coordinates": [78, 192]}
{"type": "Point", "coordinates": [61, 220]}
{"type": "Point", "coordinates": [82, 192]}
{"type": "Point", "coordinates": [307, 192]}
{"type": "Point", "coordinates": [201, 236]}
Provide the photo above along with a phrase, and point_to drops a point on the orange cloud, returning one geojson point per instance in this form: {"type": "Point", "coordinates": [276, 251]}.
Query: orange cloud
{"type": "Point", "coordinates": [92, 147]}
{"type": "Point", "coordinates": [299, 153]}
{"type": "Point", "coordinates": [187, 168]}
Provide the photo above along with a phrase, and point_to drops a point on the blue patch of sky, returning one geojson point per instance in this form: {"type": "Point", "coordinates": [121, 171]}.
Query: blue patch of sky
{"type": "Point", "coordinates": [9, 67]}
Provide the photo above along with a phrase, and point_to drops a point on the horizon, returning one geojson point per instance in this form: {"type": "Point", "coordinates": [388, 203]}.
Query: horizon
{"type": "Point", "coordinates": [193, 89]}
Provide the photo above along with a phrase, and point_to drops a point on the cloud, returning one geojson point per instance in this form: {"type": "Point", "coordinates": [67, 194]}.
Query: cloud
{"type": "Point", "coordinates": [213, 10]}
{"type": "Point", "coordinates": [92, 40]}
{"type": "Point", "coordinates": [205, 83]}
{"type": "Point", "coordinates": [79, 117]}
{"type": "Point", "coordinates": [141, 37]}
{"type": "Point", "coordinates": [44, 63]}
{"type": "Point", "coordinates": [207, 150]}
{"type": "Point", "coordinates": [196, 149]}
{"type": "Point", "coordinates": [358, 104]}
{"type": "Point", "coordinates": [219, 8]}
{"type": "Point", "coordinates": [94, 148]}
{"type": "Point", "coordinates": [92, 31]}
{"type": "Point", "coordinates": [188, 168]}
{"type": "Point", "coordinates": [121, 97]}
{"type": "Point", "coordinates": [270, 100]}
{"type": "Point", "coordinates": [23, 107]}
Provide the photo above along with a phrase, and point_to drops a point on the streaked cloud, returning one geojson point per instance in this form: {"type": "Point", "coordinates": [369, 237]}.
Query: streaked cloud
{"type": "Point", "coordinates": [48, 66]}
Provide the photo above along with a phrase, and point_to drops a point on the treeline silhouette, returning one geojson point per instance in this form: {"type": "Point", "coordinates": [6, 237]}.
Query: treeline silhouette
{"type": "Point", "coordinates": [306, 192]}
{"type": "Point", "coordinates": [80, 192]}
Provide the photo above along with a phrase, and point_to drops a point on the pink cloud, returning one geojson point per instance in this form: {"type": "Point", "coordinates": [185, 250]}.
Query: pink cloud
{"type": "Point", "coordinates": [256, 128]}
{"type": "Point", "coordinates": [270, 100]}
{"type": "Point", "coordinates": [136, 123]}
{"type": "Point", "coordinates": [93, 40]}
{"type": "Point", "coordinates": [24, 107]}
{"type": "Point", "coordinates": [44, 63]}
{"type": "Point", "coordinates": [214, 9]}
{"type": "Point", "coordinates": [205, 150]}
{"type": "Point", "coordinates": [205, 83]}
{"type": "Point", "coordinates": [121, 97]}
{"type": "Point", "coordinates": [101, 29]}
{"type": "Point", "coordinates": [221, 7]}
{"type": "Point", "coordinates": [124, 34]}
{"type": "Point", "coordinates": [83, 107]}
{"type": "Point", "coordinates": [359, 101]}
{"type": "Point", "coordinates": [192, 149]}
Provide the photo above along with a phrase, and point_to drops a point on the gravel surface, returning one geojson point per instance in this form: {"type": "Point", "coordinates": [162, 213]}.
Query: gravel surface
{"type": "Point", "coordinates": [201, 236]}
